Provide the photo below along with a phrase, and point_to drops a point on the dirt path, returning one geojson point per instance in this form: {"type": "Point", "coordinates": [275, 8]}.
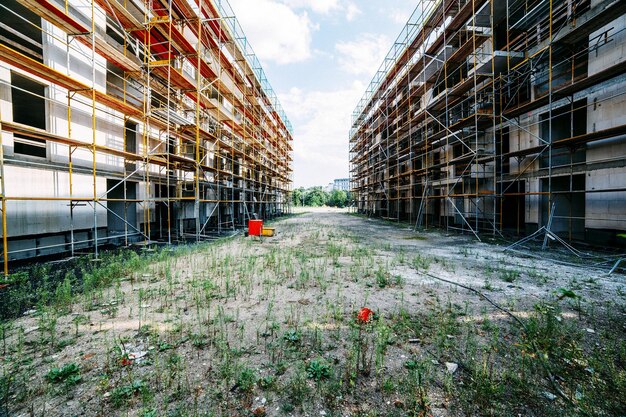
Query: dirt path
{"type": "Point", "coordinates": [244, 328]}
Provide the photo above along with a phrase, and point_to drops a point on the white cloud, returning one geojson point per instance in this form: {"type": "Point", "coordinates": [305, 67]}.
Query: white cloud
{"type": "Point", "coordinates": [318, 6]}
{"type": "Point", "coordinates": [276, 32]}
{"type": "Point", "coordinates": [363, 56]}
{"type": "Point", "coordinates": [400, 16]}
{"type": "Point", "coordinates": [322, 121]}
{"type": "Point", "coordinates": [403, 10]}
{"type": "Point", "coordinates": [327, 7]}
{"type": "Point", "coordinates": [352, 11]}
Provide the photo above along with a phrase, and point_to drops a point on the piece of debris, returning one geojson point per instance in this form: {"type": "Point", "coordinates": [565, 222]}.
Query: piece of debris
{"type": "Point", "coordinates": [130, 356]}
{"type": "Point", "coordinates": [32, 329]}
{"type": "Point", "coordinates": [549, 395]}
{"type": "Point", "coordinates": [259, 411]}
{"type": "Point", "coordinates": [452, 367]}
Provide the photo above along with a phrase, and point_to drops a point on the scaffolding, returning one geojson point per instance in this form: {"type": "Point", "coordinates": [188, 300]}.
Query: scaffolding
{"type": "Point", "coordinates": [160, 106]}
{"type": "Point", "coordinates": [480, 120]}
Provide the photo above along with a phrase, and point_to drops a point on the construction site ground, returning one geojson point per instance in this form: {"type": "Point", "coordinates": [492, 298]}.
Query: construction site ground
{"type": "Point", "coordinates": [276, 327]}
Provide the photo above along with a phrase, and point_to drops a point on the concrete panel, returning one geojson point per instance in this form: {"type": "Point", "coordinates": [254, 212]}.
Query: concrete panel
{"type": "Point", "coordinates": [606, 108]}
{"type": "Point", "coordinates": [532, 201]}
{"type": "Point", "coordinates": [606, 210]}
{"type": "Point", "coordinates": [38, 217]}
{"type": "Point", "coordinates": [609, 53]}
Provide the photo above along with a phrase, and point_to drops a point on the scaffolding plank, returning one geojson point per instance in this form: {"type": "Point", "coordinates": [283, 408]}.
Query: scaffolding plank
{"type": "Point", "coordinates": [572, 141]}
{"type": "Point", "coordinates": [12, 57]}
{"type": "Point", "coordinates": [51, 13]}
{"type": "Point", "coordinates": [36, 133]}
{"type": "Point", "coordinates": [569, 89]}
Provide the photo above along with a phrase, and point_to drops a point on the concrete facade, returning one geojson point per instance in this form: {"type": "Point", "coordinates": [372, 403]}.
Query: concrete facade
{"type": "Point", "coordinates": [139, 159]}
{"type": "Point", "coordinates": [519, 124]}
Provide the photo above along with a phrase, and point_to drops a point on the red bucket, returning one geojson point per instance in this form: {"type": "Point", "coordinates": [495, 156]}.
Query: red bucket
{"type": "Point", "coordinates": [255, 227]}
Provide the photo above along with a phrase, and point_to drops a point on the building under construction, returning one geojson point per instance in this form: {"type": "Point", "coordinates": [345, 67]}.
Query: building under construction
{"type": "Point", "coordinates": [133, 121]}
{"type": "Point", "coordinates": [499, 117]}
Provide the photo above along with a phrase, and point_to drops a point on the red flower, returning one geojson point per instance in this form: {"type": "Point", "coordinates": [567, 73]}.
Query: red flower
{"type": "Point", "coordinates": [365, 315]}
{"type": "Point", "coordinates": [126, 360]}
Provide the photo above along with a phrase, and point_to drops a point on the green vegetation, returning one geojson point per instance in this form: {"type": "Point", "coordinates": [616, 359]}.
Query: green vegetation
{"type": "Point", "coordinates": [56, 287]}
{"type": "Point", "coordinates": [69, 375]}
{"type": "Point", "coordinates": [123, 394]}
{"type": "Point", "coordinates": [241, 327]}
{"type": "Point", "coordinates": [246, 379]}
{"type": "Point", "coordinates": [318, 369]}
{"type": "Point", "coordinates": [317, 197]}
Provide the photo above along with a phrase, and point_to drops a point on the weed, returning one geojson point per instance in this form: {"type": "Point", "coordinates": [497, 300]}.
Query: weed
{"type": "Point", "coordinates": [246, 379]}
{"type": "Point", "coordinates": [421, 262]}
{"type": "Point", "coordinates": [68, 374]}
{"type": "Point", "coordinates": [78, 320]}
{"type": "Point", "coordinates": [537, 276]}
{"type": "Point", "coordinates": [334, 251]}
{"type": "Point", "coordinates": [411, 364]}
{"type": "Point", "coordinates": [292, 337]}
{"type": "Point", "coordinates": [6, 383]}
{"type": "Point", "coordinates": [382, 278]}
{"type": "Point", "coordinates": [509, 275]}
{"type": "Point", "coordinates": [267, 382]}
{"type": "Point", "coordinates": [296, 388]}
{"type": "Point", "coordinates": [199, 341]}
{"type": "Point", "coordinates": [4, 332]}
{"type": "Point", "coordinates": [121, 395]}
{"type": "Point", "coordinates": [318, 369]}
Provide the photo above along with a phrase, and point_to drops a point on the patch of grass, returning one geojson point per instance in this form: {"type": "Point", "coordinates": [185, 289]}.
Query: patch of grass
{"type": "Point", "coordinates": [121, 395]}
{"type": "Point", "coordinates": [415, 237]}
{"type": "Point", "coordinates": [247, 379]}
{"type": "Point", "coordinates": [334, 250]}
{"type": "Point", "coordinates": [199, 341]}
{"type": "Point", "coordinates": [296, 389]}
{"type": "Point", "coordinates": [421, 262]}
{"type": "Point", "coordinates": [382, 278]}
{"type": "Point", "coordinates": [267, 382]}
{"type": "Point", "coordinates": [399, 281]}
{"type": "Point", "coordinates": [6, 383]}
{"type": "Point", "coordinates": [537, 276]}
{"type": "Point", "coordinates": [509, 275]}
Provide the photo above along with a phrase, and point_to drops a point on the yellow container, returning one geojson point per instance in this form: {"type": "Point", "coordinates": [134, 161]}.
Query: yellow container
{"type": "Point", "coordinates": [269, 231]}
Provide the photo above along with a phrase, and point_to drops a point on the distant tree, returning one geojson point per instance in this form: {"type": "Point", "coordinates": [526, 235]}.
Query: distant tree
{"type": "Point", "coordinates": [297, 196]}
{"type": "Point", "coordinates": [315, 197]}
{"type": "Point", "coordinates": [338, 198]}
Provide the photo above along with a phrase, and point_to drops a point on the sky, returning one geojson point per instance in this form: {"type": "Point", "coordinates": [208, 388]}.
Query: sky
{"type": "Point", "coordinates": [319, 56]}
